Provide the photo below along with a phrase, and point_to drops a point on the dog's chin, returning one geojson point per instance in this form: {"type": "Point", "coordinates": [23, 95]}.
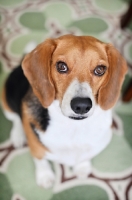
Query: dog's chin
{"type": "Point", "coordinates": [78, 118]}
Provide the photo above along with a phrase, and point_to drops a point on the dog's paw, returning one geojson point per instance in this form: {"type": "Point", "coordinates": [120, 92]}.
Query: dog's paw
{"type": "Point", "coordinates": [82, 170]}
{"type": "Point", "coordinates": [45, 178]}
{"type": "Point", "coordinates": [18, 138]}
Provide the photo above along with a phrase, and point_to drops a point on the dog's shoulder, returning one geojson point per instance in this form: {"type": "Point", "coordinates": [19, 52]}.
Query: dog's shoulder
{"type": "Point", "coordinates": [38, 114]}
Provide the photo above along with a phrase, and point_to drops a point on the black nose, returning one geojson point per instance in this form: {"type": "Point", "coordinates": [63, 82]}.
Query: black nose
{"type": "Point", "coordinates": [81, 105]}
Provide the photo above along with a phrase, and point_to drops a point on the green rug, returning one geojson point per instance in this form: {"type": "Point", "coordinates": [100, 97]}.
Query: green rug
{"type": "Point", "coordinates": [24, 21]}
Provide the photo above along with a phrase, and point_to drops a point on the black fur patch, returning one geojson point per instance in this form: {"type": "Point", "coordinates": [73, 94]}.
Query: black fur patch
{"type": "Point", "coordinates": [16, 87]}
{"type": "Point", "coordinates": [39, 113]}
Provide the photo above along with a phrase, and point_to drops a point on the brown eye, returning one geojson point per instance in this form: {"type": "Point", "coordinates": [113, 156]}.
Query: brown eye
{"type": "Point", "coordinates": [100, 70]}
{"type": "Point", "coordinates": [61, 67]}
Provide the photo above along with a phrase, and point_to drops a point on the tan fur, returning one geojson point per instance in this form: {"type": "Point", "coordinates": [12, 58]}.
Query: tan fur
{"type": "Point", "coordinates": [36, 66]}
{"type": "Point", "coordinates": [81, 57]}
{"type": "Point", "coordinates": [37, 149]}
{"type": "Point", "coordinates": [82, 54]}
{"type": "Point", "coordinates": [110, 89]}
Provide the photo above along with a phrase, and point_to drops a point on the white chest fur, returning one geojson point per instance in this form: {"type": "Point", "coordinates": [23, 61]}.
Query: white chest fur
{"type": "Point", "coordinates": [73, 141]}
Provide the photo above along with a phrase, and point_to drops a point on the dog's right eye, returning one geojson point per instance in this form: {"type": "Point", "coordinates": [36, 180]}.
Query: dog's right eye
{"type": "Point", "coordinates": [61, 67]}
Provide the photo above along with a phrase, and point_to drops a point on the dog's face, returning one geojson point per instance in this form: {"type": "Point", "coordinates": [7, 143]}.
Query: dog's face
{"type": "Point", "coordinates": [80, 72]}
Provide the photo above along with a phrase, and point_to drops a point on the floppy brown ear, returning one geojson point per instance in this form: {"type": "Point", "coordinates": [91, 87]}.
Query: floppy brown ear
{"type": "Point", "coordinates": [109, 92]}
{"type": "Point", "coordinates": [36, 67]}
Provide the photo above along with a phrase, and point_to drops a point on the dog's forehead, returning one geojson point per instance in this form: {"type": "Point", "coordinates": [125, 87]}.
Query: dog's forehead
{"type": "Point", "coordinates": [80, 47]}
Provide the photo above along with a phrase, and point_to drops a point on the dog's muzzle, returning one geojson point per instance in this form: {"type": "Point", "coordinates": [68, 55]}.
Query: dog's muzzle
{"type": "Point", "coordinates": [81, 106]}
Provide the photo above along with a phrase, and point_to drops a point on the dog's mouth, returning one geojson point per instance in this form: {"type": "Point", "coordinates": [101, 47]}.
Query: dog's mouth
{"type": "Point", "coordinates": [78, 118]}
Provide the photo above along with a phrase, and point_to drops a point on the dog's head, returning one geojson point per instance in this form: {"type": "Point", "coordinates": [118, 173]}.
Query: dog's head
{"type": "Point", "coordinates": [79, 71]}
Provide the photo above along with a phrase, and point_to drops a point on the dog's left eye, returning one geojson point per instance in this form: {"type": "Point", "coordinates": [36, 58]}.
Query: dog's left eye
{"type": "Point", "coordinates": [100, 70]}
{"type": "Point", "coordinates": [61, 67]}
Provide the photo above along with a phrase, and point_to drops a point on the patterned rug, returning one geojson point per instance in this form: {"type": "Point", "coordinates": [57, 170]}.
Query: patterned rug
{"type": "Point", "coordinates": [24, 21]}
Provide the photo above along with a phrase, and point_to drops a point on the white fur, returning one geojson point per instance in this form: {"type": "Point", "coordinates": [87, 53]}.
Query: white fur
{"type": "Point", "coordinates": [76, 89]}
{"type": "Point", "coordinates": [73, 141]}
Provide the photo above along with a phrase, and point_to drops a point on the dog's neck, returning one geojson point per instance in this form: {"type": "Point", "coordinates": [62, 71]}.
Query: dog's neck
{"type": "Point", "coordinates": [83, 138]}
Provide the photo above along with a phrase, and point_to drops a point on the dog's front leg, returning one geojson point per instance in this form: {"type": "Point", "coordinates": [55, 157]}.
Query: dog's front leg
{"type": "Point", "coordinates": [83, 169]}
{"type": "Point", "coordinates": [44, 174]}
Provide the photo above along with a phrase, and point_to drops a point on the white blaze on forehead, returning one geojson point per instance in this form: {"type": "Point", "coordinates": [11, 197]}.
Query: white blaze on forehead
{"type": "Point", "coordinates": [76, 89]}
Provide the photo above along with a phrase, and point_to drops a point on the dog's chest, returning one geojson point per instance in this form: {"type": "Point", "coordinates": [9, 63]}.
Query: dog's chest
{"type": "Point", "coordinates": [71, 141]}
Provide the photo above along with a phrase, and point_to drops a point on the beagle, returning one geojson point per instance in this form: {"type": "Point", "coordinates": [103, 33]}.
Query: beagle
{"type": "Point", "coordinates": [61, 98]}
